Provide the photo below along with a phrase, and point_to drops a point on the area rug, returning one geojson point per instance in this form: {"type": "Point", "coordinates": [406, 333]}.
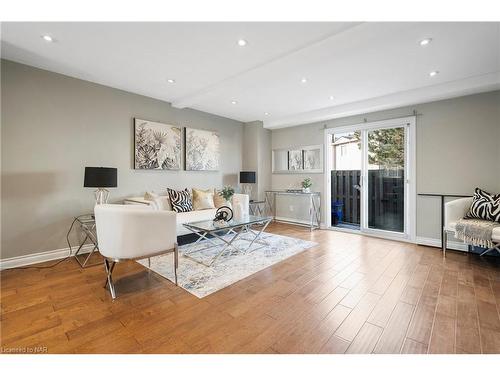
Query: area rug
{"type": "Point", "coordinates": [201, 280]}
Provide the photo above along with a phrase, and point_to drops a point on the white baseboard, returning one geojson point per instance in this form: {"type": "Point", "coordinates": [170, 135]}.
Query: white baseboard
{"type": "Point", "coordinates": [26, 260]}
{"type": "Point", "coordinates": [435, 242]}
{"type": "Point", "coordinates": [292, 220]}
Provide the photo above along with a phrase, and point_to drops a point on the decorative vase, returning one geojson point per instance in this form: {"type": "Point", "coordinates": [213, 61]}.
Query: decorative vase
{"type": "Point", "coordinates": [306, 190]}
{"type": "Point", "coordinates": [240, 213]}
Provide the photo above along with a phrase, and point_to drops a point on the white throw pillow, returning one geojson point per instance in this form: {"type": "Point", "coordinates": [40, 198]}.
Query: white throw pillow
{"type": "Point", "coordinates": [158, 201]}
{"type": "Point", "coordinates": [162, 203]}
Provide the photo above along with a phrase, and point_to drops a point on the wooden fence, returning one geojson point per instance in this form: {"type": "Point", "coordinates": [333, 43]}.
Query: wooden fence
{"type": "Point", "coordinates": [385, 195]}
{"type": "Point", "coordinates": [343, 190]}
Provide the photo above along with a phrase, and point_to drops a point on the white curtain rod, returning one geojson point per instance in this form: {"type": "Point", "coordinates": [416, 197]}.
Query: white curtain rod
{"type": "Point", "coordinates": [365, 120]}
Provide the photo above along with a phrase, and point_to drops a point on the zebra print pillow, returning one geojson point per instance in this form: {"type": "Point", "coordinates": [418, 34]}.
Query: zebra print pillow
{"type": "Point", "coordinates": [484, 206]}
{"type": "Point", "coordinates": [180, 200]}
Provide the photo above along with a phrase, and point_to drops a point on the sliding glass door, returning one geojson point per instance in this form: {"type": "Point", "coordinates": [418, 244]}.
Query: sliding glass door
{"type": "Point", "coordinates": [386, 179]}
{"type": "Point", "coordinates": [346, 161]}
{"type": "Point", "coordinates": [370, 178]}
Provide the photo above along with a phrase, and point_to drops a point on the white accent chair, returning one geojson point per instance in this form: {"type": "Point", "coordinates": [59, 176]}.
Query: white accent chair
{"type": "Point", "coordinates": [134, 232]}
{"type": "Point", "coordinates": [455, 210]}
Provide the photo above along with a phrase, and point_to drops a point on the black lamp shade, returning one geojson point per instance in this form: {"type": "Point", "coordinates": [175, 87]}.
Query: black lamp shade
{"type": "Point", "coordinates": [247, 177]}
{"type": "Point", "coordinates": [100, 177]}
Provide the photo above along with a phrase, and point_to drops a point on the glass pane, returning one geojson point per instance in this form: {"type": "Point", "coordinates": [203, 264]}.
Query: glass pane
{"type": "Point", "coordinates": [345, 180]}
{"type": "Point", "coordinates": [386, 169]}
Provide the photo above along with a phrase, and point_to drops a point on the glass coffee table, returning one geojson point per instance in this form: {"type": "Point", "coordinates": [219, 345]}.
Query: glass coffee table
{"type": "Point", "coordinates": [225, 236]}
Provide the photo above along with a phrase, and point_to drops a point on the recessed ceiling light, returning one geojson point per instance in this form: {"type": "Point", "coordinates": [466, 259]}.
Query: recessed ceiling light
{"type": "Point", "coordinates": [425, 41]}
{"type": "Point", "coordinates": [434, 73]}
{"type": "Point", "coordinates": [170, 80]}
{"type": "Point", "coordinates": [331, 97]}
{"type": "Point", "coordinates": [234, 102]}
{"type": "Point", "coordinates": [242, 42]}
{"type": "Point", "coordinates": [266, 113]}
{"type": "Point", "coordinates": [303, 80]}
{"type": "Point", "coordinates": [48, 38]}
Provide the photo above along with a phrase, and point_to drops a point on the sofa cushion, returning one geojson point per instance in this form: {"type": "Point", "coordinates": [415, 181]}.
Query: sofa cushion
{"type": "Point", "coordinates": [203, 199]}
{"type": "Point", "coordinates": [484, 206]}
{"type": "Point", "coordinates": [162, 203]}
{"type": "Point", "coordinates": [180, 200]}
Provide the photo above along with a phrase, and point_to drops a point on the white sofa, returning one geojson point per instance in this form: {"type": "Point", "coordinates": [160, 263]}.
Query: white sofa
{"type": "Point", "coordinates": [455, 210]}
{"type": "Point", "coordinates": [188, 217]}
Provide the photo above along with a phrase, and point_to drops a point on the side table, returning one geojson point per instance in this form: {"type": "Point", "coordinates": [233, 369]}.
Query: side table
{"type": "Point", "coordinates": [86, 223]}
{"type": "Point", "coordinates": [257, 208]}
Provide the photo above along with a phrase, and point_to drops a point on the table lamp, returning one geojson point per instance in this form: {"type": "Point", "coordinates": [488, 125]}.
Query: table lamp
{"type": "Point", "coordinates": [247, 179]}
{"type": "Point", "coordinates": [100, 178]}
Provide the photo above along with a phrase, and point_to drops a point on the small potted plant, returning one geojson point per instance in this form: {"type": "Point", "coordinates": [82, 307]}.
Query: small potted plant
{"type": "Point", "coordinates": [227, 193]}
{"type": "Point", "coordinates": [306, 185]}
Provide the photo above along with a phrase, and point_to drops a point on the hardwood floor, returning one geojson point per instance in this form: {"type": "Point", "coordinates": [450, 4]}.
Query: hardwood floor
{"type": "Point", "coordinates": [349, 294]}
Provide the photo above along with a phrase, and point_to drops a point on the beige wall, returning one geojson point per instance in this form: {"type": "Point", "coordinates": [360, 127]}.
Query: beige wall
{"type": "Point", "coordinates": [53, 126]}
{"type": "Point", "coordinates": [457, 149]}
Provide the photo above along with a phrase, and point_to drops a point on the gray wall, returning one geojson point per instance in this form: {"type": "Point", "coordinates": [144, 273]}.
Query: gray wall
{"type": "Point", "coordinates": [53, 126]}
{"type": "Point", "coordinates": [257, 156]}
{"type": "Point", "coordinates": [457, 150]}
{"type": "Point", "coordinates": [296, 207]}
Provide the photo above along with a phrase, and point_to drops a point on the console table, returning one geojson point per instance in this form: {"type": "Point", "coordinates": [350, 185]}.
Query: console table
{"type": "Point", "coordinates": [314, 206]}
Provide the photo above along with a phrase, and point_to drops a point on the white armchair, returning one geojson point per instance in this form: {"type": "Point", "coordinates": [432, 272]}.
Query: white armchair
{"type": "Point", "coordinates": [134, 232]}
{"type": "Point", "coordinates": [455, 210]}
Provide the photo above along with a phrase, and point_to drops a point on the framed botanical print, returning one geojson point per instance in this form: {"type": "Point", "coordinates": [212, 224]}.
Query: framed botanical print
{"type": "Point", "coordinates": [202, 150]}
{"type": "Point", "coordinates": [156, 145]}
{"type": "Point", "coordinates": [312, 159]}
{"type": "Point", "coordinates": [295, 160]}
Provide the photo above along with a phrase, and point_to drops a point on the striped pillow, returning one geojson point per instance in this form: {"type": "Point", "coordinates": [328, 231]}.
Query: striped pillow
{"type": "Point", "coordinates": [484, 206]}
{"type": "Point", "coordinates": [180, 200]}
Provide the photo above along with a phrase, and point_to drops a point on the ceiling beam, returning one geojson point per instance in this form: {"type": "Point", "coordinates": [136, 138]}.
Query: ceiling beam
{"type": "Point", "coordinates": [194, 97]}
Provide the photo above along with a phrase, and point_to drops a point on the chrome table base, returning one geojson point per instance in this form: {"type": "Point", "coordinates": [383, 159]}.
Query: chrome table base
{"type": "Point", "coordinates": [228, 245]}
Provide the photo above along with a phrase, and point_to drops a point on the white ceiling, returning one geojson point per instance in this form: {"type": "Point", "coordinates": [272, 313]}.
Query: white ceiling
{"type": "Point", "coordinates": [364, 66]}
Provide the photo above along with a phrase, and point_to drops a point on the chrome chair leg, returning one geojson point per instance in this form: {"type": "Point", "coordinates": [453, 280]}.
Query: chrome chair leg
{"type": "Point", "coordinates": [110, 271]}
{"type": "Point", "coordinates": [445, 240]}
{"type": "Point", "coordinates": [176, 261]}
{"type": "Point", "coordinates": [109, 280]}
